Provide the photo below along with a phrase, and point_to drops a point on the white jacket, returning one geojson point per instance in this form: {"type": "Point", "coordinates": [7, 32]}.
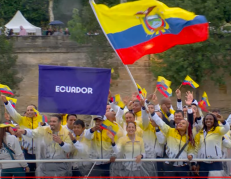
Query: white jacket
{"type": "Point", "coordinates": [154, 140]}
{"type": "Point", "coordinates": [49, 148]}
{"type": "Point", "coordinates": [13, 143]}
{"type": "Point", "coordinates": [209, 145]}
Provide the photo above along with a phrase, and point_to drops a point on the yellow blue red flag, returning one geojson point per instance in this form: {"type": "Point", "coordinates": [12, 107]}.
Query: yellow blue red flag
{"type": "Point", "coordinates": [143, 27]}
{"type": "Point", "coordinates": [13, 101]}
{"type": "Point", "coordinates": [162, 82]}
{"type": "Point", "coordinates": [110, 126]}
{"type": "Point", "coordinates": [5, 89]}
{"type": "Point", "coordinates": [189, 81]}
{"type": "Point", "coordinates": [117, 98]}
{"type": "Point", "coordinates": [205, 99]}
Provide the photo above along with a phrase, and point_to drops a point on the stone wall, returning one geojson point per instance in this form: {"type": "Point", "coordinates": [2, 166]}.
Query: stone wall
{"type": "Point", "coordinates": [60, 50]}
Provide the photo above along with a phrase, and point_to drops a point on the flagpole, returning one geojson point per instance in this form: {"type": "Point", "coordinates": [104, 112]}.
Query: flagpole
{"type": "Point", "coordinates": [180, 86]}
{"type": "Point", "coordinates": [155, 90]}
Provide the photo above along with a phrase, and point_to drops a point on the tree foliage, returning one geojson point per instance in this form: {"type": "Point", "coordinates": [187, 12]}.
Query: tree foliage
{"type": "Point", "coordinates": [36, 12]}
{"type": "Point", "coordinates": [8, 72]}
{"type": "Point", "coordinates": [204, 60]}
{"type": "Point", "coordinates": [99, 51]}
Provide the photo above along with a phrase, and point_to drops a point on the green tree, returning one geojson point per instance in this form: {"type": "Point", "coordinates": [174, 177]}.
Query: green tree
{"type": "Point", "coordinates": [99, 51]}
{"type": "Point", "coordinates": [8, 72]}
{"type": "Point", "coordinates": [36, 12]}
{"type": "Point", "coordinates": [204, 60]}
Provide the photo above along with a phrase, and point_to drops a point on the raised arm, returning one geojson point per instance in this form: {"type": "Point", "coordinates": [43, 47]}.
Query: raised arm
{"type": "Point", "coordinates": [163, 126]}
{"type": "Point", "coordinates": [179, 102]}
{"type": "Point", "coordinates": [161, 138]}
{"type": "Point", "coordinates": [225, 125]}
{"type": "Point", "coordinates": [12, 112]}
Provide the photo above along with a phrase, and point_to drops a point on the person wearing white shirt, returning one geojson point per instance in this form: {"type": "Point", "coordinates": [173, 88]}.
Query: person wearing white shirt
{"type": "Point", "coordinates": [71, 118]}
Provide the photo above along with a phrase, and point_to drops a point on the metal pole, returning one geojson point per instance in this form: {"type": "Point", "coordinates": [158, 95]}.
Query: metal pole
{"type": "Point", "coordinates": [117, 160]}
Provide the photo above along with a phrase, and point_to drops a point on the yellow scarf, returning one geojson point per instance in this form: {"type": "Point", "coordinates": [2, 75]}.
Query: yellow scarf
{"type": "Point", "coordinates": [165, 115]}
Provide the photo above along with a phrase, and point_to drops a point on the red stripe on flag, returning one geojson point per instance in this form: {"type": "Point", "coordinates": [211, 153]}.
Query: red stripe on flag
{"type": "Point", "coordinates": [164, 42]}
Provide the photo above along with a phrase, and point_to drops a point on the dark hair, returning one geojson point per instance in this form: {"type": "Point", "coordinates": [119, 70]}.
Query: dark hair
{"type": "Point", "coordinates": [216, 110]}
{"type": "Point", "coordinates": [79, 122]}
{"type": "Point", "coordinates": [57, 116]}
{"type": "Point", "coordinates": [136, 101]}
{"type": "Point", "coordinates": [33, 106]}
{"type": "Point", "coordinates": [71, 115]}
{"type": "Point", "coordinates": [215, 122]}
{"type": "Point", "coordinates": [193, 104]}
{"type": "Point", "coordinates": [130, 112]}
{"type": "Point", "coordinates": [179, 111]}
{"type": "Point", "coordinates": [151, 104]}
{"type": "Point", "coordinates": [131, 123]}
{"type": "Point", "coordinates": [2, 135]}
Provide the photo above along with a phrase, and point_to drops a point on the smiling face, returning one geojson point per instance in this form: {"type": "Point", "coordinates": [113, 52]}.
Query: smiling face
{"type": "Point", "coordinates": [78, 129]}
{"type": "Point", "coordinates": [182, 125]}
{"type": "Point", "coordinates": [131, 129]}
{"type": "Point", "coordinates": [129, 117]}
{"type": "Point", "coordinates": [30, 112]}
{"type": "Point", "coordinates": [70, 121]}
{"type": "Point", "coordinates": [178, 117]}
{"type": "Point", "coordinates": [55, 124]}
{"type": "Point", "coordinates": [136, 107]}
{"type": "Point", "coordinates": [209, 121]}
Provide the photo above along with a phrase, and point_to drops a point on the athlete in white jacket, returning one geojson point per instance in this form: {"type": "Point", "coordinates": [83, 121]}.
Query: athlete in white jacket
{"type": "Point", "coordinates": [11, 150]}
{"type": "Point", "coordinates": [55, 143]}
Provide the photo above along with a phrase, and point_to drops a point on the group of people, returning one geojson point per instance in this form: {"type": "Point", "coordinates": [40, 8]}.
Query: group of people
{"type": "Point", "coordinates": [55, 32]}
{"type": "Point", "coordinates": [147, 129]}
{"type": "Point", "coordinates": [22, 32]}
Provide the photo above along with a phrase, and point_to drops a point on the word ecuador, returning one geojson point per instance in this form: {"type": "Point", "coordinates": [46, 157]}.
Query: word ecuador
{"type": "Point", "coordinates": [70, 89]}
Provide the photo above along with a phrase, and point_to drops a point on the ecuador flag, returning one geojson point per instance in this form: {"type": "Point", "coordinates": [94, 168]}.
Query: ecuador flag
{"type": "Point", "coordinates": [13, 101]}
{"type": "Point", "coordinates": [5, 89]}
{"type": "Point", "coordinates": [189, 81]}
{"type": "Point", "coordinates": [143, 27]}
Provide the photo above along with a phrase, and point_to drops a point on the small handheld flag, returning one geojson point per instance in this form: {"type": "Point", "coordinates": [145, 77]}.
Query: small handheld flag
{"type": "Point", "coordinates": [111, 127]}
{"type": "Point", "coordinates": [143, 91]}
{"type": "Point", "coordinates": [13, 101]}
{"type": "Point", "coordinates": [41, 118]}
{"type": "Point", "coordinates": [5, 89]}
{"type": "Point", "coordinates": [189, 81]}
{"type": "Point", "coordinates": [205, 99]}
{"type": "Point", "coordinates": [162, 82]}
{"type": "Point", "coordinates": [202, 105]}
{"type": "Point", "coordinates": [163, 86]}
{"type": "Point", "coordinates": [166, 93]}
{"type": "Point", "coordinates": [118, 100]}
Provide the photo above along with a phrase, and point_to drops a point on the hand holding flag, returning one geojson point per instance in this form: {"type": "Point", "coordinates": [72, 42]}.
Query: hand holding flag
{"type": "Point", "coordinates": [13, 101]}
